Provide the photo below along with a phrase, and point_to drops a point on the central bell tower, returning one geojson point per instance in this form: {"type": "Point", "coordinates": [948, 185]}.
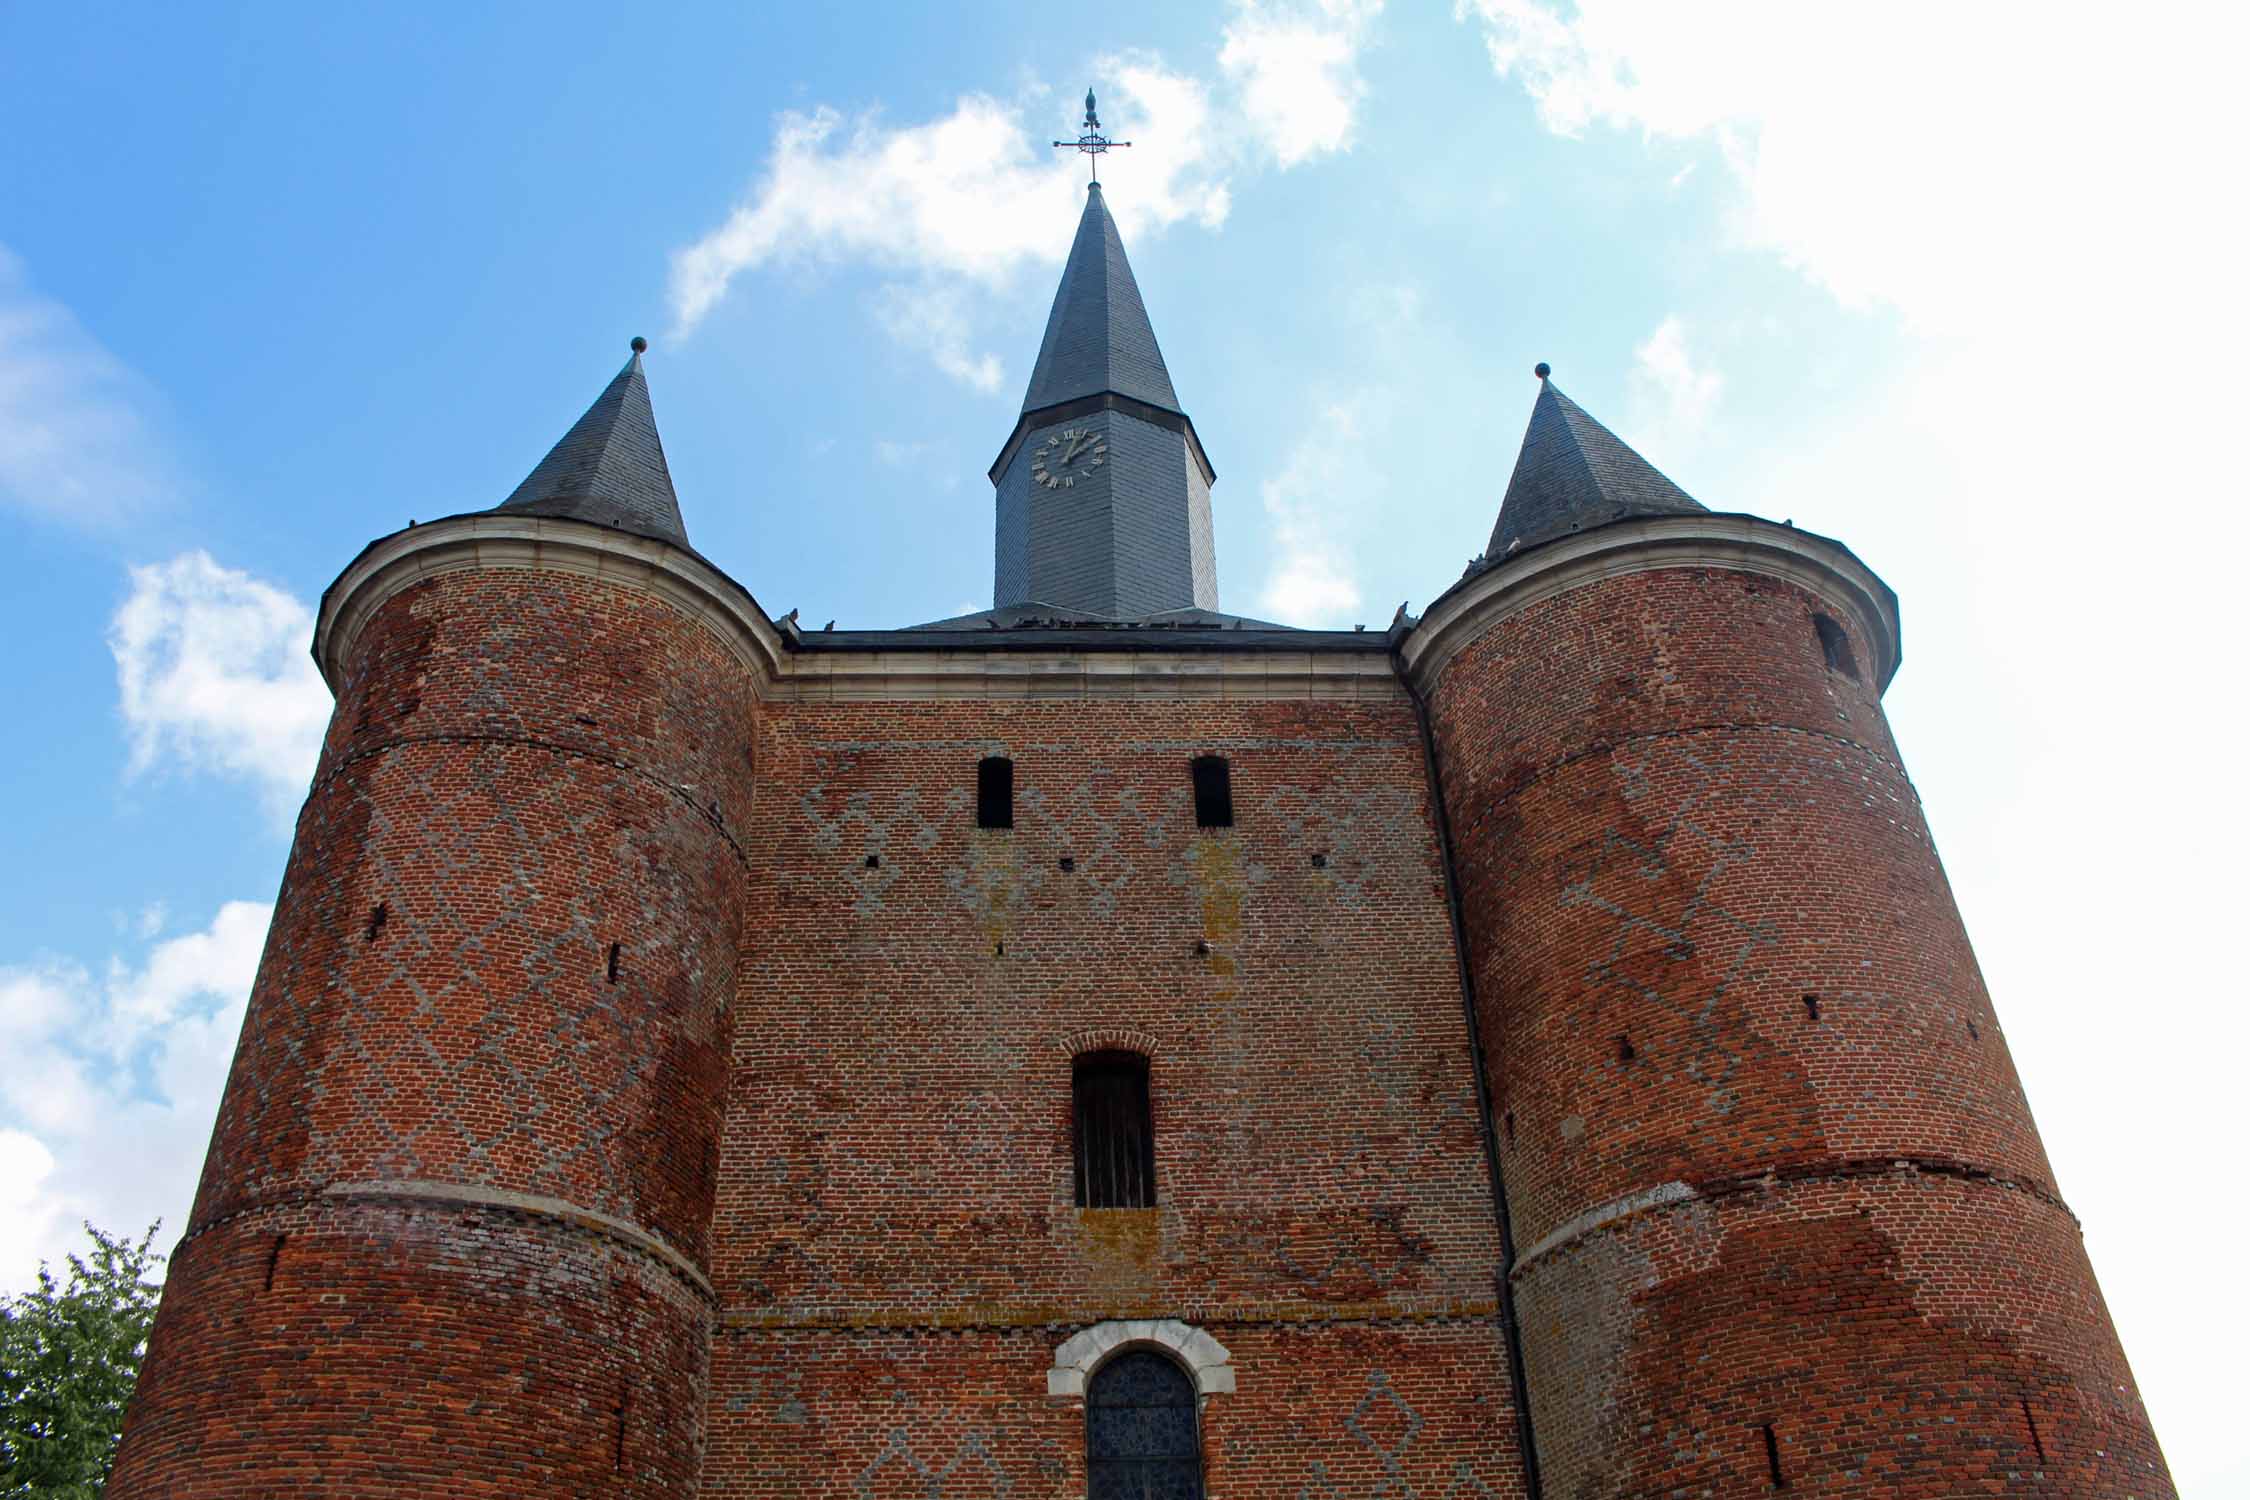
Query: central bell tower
{"type": "Point", "coordinates": [1103, 490]}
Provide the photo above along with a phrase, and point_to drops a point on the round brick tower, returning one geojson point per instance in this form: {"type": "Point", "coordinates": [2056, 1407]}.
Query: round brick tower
{"type": "Point", "coordinates": [1780, 1214]}
{"type": "Point", "coordinates": [454, 1229]}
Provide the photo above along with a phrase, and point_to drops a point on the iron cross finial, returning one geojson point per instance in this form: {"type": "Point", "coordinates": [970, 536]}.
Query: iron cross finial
{"type": "Point", "coordinates": [1091, 140]}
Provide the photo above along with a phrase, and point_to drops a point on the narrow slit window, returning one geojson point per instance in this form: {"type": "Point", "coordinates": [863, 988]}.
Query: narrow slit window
{"type": "Point", "coordinates": [1836, 647]}
{"type": "Point", "coordinates": [996, 792]}
{"type": "Point", "coordinates": [1214, 792]}
{"type": "Point", "coordinates": [1113, 1145]}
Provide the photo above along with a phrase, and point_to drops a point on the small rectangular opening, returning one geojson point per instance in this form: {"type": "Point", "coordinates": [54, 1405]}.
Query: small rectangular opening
{"type": "Point", "coordinates": [1836, 647]}
{"type": "Point", "coordinates": [996, 792]}
{"type": "Point", "coordinates": [1214, 793]}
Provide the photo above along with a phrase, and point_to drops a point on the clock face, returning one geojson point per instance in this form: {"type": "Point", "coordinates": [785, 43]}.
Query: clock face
{"type": "Point", "coordinates": [1069, 455]}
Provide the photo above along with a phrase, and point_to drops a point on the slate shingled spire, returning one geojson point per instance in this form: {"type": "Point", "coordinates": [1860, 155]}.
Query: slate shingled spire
{"type": "Point", "coordinates": [1574, 474]}
{"type": "Point", "coordinates": [609, 468]}
{"type": "Point", "coordinates": [1102, 493]}
{"type": "Point", "coordinates": [1098, 334]}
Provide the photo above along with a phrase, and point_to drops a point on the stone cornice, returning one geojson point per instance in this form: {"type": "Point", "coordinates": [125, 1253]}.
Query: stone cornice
{"type": "Point", "coordinates": [397, 562]}
{"type": "Point", "coordinates": [878, 676]}
{"type": "Point", "coordinates": [782, 672]}
{"type": "Point", "coordinates": [1744, 544]}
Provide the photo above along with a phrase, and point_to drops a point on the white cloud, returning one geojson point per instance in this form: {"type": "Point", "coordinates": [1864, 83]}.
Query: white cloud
{"type": "Point", "coordinates": [2048, 482]}
{"type": "Point", "coordinates": [1955, 182]}
{"type": "Point", "coordinates": [75, 441]}
{"type": "Point", "coordinates": [954, 208]}
{"type": "Point", "coordinates": [1672, 393]}
{"type": "Point", "coordinates": [933, 318]}
{"type": "Point", "coordinates": [108, 1086]}
{"type": "Point", "coordinates": [1310, 579]}
{"type": "Point", "coordinates": [213, 674]}
{"type": "Point", "coordinates": [1296, 70]}
{"type": "Point", "coordinates": [956, 211]}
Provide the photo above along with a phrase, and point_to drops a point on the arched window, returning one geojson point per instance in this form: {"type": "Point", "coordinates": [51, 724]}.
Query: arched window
{"type": "Point", "coordinates": [1114, 1150]}
{"type": "Point", "coordinates": [1140, 1431]}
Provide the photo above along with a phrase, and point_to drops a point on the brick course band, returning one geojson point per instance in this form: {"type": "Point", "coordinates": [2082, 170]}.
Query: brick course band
{"type": "Point", "coordinates": [1402, 1311]}
{"type": "Point", "coordinates": [360, 755]}
{"type": "Point", "coordinates": [607, 1226]}
{"type": "Point", "coordinates": [1666, 1197]}
{"type": "Point", "coordinates": [499, 1200]}
{"type": "Point", "coordinates": [1692, 731]}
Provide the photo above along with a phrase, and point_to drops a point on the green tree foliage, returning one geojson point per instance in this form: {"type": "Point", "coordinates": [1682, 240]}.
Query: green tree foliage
{"type": "Point", "coordinates": [68, 1354]}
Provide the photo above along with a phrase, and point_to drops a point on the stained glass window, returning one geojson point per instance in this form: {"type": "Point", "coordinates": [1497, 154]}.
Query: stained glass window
{"type": "Point", "coordinates": [1140, 1431]}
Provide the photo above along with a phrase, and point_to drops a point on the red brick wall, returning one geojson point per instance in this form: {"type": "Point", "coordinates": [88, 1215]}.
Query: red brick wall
{"type": "Point", "coordinates": [1674, 824]}
{"type": "Point", "coordinates": [898, 1250]}
{"type": "Point", "coordinates": [1347, 1408]}
{"type": "Point", "coordinates": [524, 768]}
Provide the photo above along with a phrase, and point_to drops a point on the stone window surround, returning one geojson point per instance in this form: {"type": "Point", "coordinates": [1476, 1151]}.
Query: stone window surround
{"type": "Point", "coordinates": [1079, 1356]}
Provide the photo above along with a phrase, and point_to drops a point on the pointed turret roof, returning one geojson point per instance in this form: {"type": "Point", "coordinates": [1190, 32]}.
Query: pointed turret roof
{"type": "Point", "coordinates": [1575, 474]}
{"type": "Point", "coordinates": [609, 468]}
{"type": "Point", "coordinates": [1098, 334]}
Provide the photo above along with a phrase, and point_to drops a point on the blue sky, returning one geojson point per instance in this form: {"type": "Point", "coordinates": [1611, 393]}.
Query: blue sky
{"type": "Point", "coordinates": [1956, 285]}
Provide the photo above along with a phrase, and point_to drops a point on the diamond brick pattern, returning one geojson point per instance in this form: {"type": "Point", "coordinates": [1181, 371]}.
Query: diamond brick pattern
{"type": "Point", "coordinates": [1674, 825]}
{"type": "Point", "coordinates": [525, 772]}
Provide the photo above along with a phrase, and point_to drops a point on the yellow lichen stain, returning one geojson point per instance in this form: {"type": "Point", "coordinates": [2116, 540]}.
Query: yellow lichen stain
{"type": "Point", "coordinates": [1662, 672]}
{"type": "Point", "coordinates": [992, 865]}
{"type": "Point", "coordinates": [1120, 1244]}
{"type": "Point", "coordinates": [1217, 863]}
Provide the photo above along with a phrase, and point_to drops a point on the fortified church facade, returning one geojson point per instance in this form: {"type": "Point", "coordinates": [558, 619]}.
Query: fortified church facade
{"type": "Point", "coordinates": [1107, 1046]}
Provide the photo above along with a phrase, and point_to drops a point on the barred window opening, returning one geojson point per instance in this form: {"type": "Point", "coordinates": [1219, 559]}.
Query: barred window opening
{"type": "Point", "coordinates": [1141, 1441]}
{"type": "Point", "coordinates": [1114, 1147]}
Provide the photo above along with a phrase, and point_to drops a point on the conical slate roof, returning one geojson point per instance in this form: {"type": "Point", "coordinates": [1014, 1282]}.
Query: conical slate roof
{"type": "Point", "coordinates": [609, 468]}
{"type": "Point", "coordinates": [1098, 334]}
{"type": "Point", "coordinates": [1573, 475]}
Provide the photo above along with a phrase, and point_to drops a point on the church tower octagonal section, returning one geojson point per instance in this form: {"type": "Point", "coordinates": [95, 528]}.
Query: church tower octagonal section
{"type": "Point", "coordinates": [1102, 491]}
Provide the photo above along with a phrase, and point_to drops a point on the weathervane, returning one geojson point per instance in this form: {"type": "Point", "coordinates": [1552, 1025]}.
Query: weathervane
{"type": "Point", "coordinates": [1091, 140]}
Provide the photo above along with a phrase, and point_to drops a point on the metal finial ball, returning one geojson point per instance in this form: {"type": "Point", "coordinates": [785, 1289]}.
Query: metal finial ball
{"type": "Point", "coordinates": [1540, 369]}
{"type": "Point", "coordinates": [640, 346]}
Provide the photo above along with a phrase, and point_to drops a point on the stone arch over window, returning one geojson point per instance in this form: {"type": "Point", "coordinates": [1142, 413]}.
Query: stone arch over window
{"type": "Point", "coordinates": [1203, 1357]}
{"type": "Point", "coordinates": [1105, 1039]}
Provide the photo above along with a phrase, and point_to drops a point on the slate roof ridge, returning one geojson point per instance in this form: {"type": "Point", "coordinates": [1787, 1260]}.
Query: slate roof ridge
{"type": "Point", "coordinates": [609, 468]}
{"type": "Point", "coordinates": [1098, 335]}
{"type": "Point", "coordinates": [1573, 474]}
